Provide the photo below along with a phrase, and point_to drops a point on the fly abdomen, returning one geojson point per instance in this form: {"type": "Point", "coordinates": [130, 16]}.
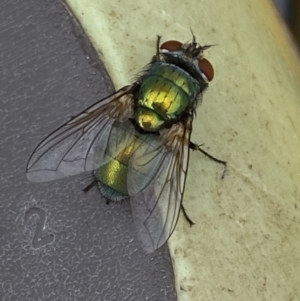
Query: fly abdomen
{"type": "Point", "coordinates": [112, 176]}
{"type": "Point", "coordinates": [112, 180]}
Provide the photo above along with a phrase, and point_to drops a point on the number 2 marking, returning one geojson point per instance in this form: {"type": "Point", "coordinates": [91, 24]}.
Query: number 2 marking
{"type": "Point", "coordinates": [38, 240]}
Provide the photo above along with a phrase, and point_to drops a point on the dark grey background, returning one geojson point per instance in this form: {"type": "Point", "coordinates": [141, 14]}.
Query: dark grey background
{"type": "Point", "coordinates": [56, 243]}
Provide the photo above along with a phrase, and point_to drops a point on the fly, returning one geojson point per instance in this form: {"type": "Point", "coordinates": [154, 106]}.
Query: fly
{"type": "Point", "coordinates": [137, 141]}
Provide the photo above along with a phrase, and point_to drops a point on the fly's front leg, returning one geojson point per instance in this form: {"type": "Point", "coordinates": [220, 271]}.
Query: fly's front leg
{"type": "Point", "coordinates": [157, 45]}
{"type": "Point", "coordinates": [156, 57]}
{"type": "Point", "coordinates": [194, 146]}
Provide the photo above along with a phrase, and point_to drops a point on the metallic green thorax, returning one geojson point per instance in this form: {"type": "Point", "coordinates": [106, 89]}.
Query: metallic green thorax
{"type": "Point", "coordinates": [165, 92]}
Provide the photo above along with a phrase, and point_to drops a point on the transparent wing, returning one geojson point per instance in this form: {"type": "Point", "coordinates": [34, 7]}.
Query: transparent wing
{"type": "Point", "coordinates": [156, 182]}
{"type": "Point", "coordinates": [70, 150]}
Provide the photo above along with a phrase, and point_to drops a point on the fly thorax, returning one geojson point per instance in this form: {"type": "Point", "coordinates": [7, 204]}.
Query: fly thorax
{"type": "Point", "coordinates": [148, 119]}
{"type": "Point", "coordinates": [165, 92]}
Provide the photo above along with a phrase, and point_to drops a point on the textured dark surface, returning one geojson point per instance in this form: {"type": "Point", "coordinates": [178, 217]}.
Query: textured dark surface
{"type": "Point", "coordinates": [56, 243]}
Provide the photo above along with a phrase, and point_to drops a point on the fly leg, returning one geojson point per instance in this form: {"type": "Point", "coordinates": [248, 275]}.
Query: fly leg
{"type": "Point", "coordinates": [191, 223]}
{"type": "Point", "coordinates": [157, 45]}
{"type": "Point", "coordinates": [156, 56]}
{"type": "Point", "coordinates": [90, 186]}
{"type": "Point", "coordinates": [194, 146]}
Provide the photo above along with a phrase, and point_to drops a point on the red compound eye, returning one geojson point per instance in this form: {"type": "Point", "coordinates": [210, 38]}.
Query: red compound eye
{"type": "Point", "coordinates": [207, 68]}
{"type": "Point", "coordinates": [171, 45]}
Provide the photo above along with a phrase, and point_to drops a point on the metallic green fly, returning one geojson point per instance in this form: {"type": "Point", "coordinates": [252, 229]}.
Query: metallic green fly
{"type": "Point", "coordinates": [136, 141]}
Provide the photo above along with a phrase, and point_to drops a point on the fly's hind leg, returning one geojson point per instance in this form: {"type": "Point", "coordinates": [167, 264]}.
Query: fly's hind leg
{"type": "Point", "coordinates": [90, 186]}
{"type": "Point", "coordinates": [194, 146]}
{"type": "Point", "coordinates": [191, 223]}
